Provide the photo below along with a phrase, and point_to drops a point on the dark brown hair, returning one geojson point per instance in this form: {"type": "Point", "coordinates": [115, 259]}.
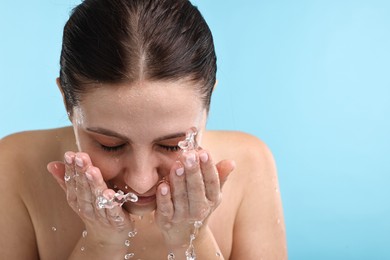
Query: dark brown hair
{"type": "Point", "coordinates": [117, 41]}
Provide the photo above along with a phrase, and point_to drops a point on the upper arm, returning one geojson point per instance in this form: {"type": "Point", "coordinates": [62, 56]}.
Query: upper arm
{"type": "Point", "coordinates": [18, 236]}
{"type": "Point", "coordinates": [259, 231]}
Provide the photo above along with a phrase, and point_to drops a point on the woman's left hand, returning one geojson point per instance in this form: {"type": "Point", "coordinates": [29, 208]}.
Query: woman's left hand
{"type": "Point", "coordinates": [192, 194]}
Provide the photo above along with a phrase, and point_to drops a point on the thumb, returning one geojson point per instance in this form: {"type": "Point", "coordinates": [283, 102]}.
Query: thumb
{"type": "Point", "coordinates": [57, 169]}
{"type": "Point", "coordinates": [224, 168]}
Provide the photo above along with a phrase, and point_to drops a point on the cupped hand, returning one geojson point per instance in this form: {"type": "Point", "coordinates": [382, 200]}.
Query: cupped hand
{"type": "Point", "coordinates": [83, 183]}
{"type": "Point", "coordinates": [192, 194]}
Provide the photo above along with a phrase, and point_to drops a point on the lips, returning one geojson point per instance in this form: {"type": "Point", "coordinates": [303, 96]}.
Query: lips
{"type": "Point", "coordinates": [145, 199]}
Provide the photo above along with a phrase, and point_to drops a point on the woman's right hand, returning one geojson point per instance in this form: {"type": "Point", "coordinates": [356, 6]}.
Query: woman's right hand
{"type": "Point", "coordinates": [83, 183]}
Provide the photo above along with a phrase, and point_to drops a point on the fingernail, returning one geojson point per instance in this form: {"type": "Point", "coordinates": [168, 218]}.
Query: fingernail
{"type": "Point", "coordinates": [88, 175]}
{"type": "Point", "coordinates": [190, 160]}
{"type": "Point", "coordinates": [164, 190]}
{"type": "Point", "coordinates": [68, 159]}
{"type": "Point", "coordinates": [179, 171]}
{"type": "Point", "coordinates": [204, 157]}
{"type": "Point", "coordinates": [79, 162]}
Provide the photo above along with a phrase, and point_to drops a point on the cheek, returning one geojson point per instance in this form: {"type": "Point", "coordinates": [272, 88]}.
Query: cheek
{"type": "Point", "coordinates": [109, 166]}
{"type": "Point", "coordinates": [113, 167]}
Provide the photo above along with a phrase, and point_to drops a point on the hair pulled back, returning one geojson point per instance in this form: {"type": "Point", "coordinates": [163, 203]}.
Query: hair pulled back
{"type": "Point", "coordinates": [118, 41]}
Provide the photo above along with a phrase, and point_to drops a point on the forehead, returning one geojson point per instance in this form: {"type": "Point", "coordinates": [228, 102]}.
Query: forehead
{"type": "Point", "coordinates": [141, 103]}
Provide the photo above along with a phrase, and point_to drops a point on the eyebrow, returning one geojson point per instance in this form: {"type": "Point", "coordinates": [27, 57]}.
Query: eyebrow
{"type": "Point", "coordinates": [108, 132]}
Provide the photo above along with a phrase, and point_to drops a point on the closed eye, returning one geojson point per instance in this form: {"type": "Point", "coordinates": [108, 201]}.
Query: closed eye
{"type": "Point", "coordinates": [174, 148]}
{"type": "Point", "coordinates": [112, 148]}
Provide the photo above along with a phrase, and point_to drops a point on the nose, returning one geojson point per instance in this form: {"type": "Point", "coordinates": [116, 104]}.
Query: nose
{"type": "Point", "coordinates": [141, 172]}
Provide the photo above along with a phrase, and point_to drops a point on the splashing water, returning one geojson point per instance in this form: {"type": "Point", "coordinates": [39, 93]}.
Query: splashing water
{"type": "Point", "coordinates": [66, 177]}
{"type": "Point", "coordinates": [198, 224]}
{"type": "Point", "coordinates": [128, 256]}
{"type": "Point", "coordinates": [189, 143]}
{"type": "Point", "coordinates": [117, 201]}
{"type": "Point", "coordinates": [190, 252]}
{"type": "Point", "coordinates": [132, 233]}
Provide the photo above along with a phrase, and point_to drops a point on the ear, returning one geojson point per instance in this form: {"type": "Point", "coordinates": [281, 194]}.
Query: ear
{"type": "Point", "coordinates": [215, 85]}
{"type": "Point", "coordinates": [58, 82]}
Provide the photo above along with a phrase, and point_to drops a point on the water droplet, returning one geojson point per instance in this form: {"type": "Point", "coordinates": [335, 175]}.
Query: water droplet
{"type": "Point", "coordinates": [128, 256]}
{"type": "Point", "coordinates": [278, 221]}
{"type": "Point", "coordinates": [171, 256]}
{"type": "Point", "coordinates": [189, 143]}
{"type": "Point", "coordinates": [85, 233]}
{"type": "Point", "coordinates": [126, 187]}
{"type": "Point", "coordinates": [54, 229]}
{"type": "Point", "coordinates": [190, 253]}
{"type": "Point", "coordinates": [198, 224]}
{"type": "Point", "coordinates": [117, 201]}
{"type": "Point", "coordinates": [218, 254]}
{"type": "Point", "coordinates": [276, 190]}
{"type": "Point", "coordinates": [141, 217]}
{"type": "Point", "coordinates": [102, 202]}
{"type": "Point", "coordinates": [118, 219]}
{"type": "Point", "coordinates": [132, 233]}
{"type": "Point", "coordinates": [115, 186]}
{"type": "Point", "coordinates": [66, 177]}
{"type": "Point", "coordinates": [82, 248]}
{"type": "Point", "coordinates": [127, 242]}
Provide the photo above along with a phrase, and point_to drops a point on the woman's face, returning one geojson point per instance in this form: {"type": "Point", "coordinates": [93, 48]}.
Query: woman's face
{"type": "Point", "coordinates": [131, 133]}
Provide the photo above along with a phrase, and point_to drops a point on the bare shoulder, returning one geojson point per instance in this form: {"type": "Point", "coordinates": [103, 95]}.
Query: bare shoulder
{"type": "Point", "coordinates": [254, 160]}
{"type": "Point", "coordinates": [23, 177]}
{"type": "Point", "coordinates": [244, 148]}
{"type": "Point", "coordinates": [259, 224]}
{"type": "Point", "coordinates": [29, 152]}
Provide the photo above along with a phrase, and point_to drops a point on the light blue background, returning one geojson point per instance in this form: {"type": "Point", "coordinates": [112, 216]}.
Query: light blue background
{"type": "Point", "coordinates": [310, 78]}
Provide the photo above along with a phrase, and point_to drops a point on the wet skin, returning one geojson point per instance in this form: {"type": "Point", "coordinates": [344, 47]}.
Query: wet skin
{"type": "Point", "coordinates": [136, 156]}
{"type": "Point", "coordinates": [247, 224]}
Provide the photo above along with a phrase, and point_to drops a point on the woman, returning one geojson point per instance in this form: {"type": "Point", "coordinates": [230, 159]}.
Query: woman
{"type": "Point", "coordinates": [135, 76]}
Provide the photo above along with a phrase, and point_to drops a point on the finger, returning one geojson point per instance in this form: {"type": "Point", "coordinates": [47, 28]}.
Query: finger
{"type": "Point", "coordinates": [85, 196]}
{"type": "Point", "coordinates": [211, 178]}
{"type": "Point", "coordinates": [57, 169]}
{"type": "Point", "coordinates": [165, 210]}
{"type": "Point", "coordinates": [224, 168]}
{"type": "Point", "coordinates": [178, 191]}
{"type": "Point", "coordinates": [98, 186]}
{"type": "Point", "coordinates": [115, 215]}
{"type": "Point", "coordinates": [195, 185]}
{"type": "Point", "coordinates": [70, 183]}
